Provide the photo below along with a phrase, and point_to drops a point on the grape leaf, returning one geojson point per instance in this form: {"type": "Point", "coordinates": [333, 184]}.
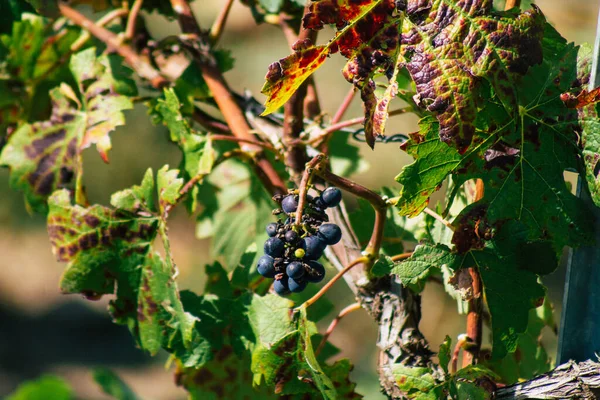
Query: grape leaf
{"type": "Point", "coordinates": [43, 388]}
{"type": "Point", "coordinates": [417, 383]}
{"type": "Point", "coordinates": [530, 359]}
{"type": "Point", "coordinates": [447, 57]}
{"type": "Point", "coordinates": [590, 127]}
{"type": "Point", "coordinates": [534, 155]}
{"type": "Point", "coordinates": [474, 382]}
{"type": "Point", "coordinates": [368, 35]}
{"type": "Point", "coordinates": [444, 355]}
{"type": "Point", "coordinates": [107, 247]}
{"type": "Point", "coordinates": [417, 267]}
{"type": "Point", "coordinates": [236, 210]}
{"type": "Point", "coordinates": [112, 385]}
{"type": "Point", "coordinates": [44, 156]}
{"type": "Point", "coordinates": [32, 58]}
{"type": "Point", "coordinates": [510, 289]}
{"type": "Point", "coordinates": [287, 361]}
{"type": "Point", "coordinates": [198, 153]}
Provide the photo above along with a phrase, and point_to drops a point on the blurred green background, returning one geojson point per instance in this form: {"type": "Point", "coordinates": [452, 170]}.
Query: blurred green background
{"type": "Point", "coordinates": [42, 331]}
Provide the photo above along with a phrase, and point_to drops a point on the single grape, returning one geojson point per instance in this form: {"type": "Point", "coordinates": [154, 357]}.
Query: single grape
{"type": "Point", "coordinates": [265, 267]}
{"type": "Point", "coordinates": [281, 286]}
{"type": "Point", "coordinates": [313, 246]}
{"type": "Point", "coordinates": [331, 196]}
{"type": "Point", "coordinates": [315, 272]}
{"type": "Point", "coordinates": [320, 204]}
{"type": "Point", "coordinates": [289, 204]}
{"type": "Point", "coordinates": [274, 247]}
{"type": "Point", "coordinates": [299, 253]}
{"type": "Point", "coordinates": [272, 229]}
{"type": "Point", "coordinates": [295, 270]}
{"type": "Point", "coordinates": [330, 233]}
{"type": "Point", "coordinates": [296, 286]}
{"type": "Point", "coordinates": [291, 236]}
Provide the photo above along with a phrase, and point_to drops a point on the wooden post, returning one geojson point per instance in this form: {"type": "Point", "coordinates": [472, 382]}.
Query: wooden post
{"type": "Point", "coordinates": [579, 335]}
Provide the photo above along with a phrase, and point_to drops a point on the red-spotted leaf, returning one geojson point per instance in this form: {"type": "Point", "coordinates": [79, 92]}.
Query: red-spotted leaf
{"type": "Point", "coordinates": [367, 35]}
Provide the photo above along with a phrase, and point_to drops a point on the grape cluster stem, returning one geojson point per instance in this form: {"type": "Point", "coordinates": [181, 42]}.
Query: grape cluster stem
{"type": "Point", "coordinates": [328, 285]}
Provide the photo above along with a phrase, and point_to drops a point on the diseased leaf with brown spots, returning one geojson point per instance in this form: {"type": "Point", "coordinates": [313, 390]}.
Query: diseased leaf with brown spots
{"type": "Point", "coordinates": [109, 251]}
{"type": "Point", "coordinates": [100, 244]}
{"type": "Point", "coordinates": [450, 48]}
{"type": "Point", "coordinates": [32, 60]}
{"type": "Point", "coordinates": [456, 47]}
{"type": "Point", "coordinates": [44, 156]}
{"type": "Point", "coordinates": [521, 164]}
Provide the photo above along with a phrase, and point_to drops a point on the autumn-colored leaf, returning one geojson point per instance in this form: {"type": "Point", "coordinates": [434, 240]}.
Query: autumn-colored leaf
{"type": "Point", "coordinates": [368, 35]}
{"type": "Point", "coordinates": [45, 156]}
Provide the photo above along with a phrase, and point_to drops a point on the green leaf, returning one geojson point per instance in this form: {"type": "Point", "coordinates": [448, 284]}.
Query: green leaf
{"type": "Point", "coordinates": [470, 382]}
{"type": "Point", "coordinates": [168, 185]}
{"type": "Point", "coordinates": [416, 382]}
{"type": "Point", "coordinates": [137, 197]}
{"type": "Point", "coordinates": [46, 155]}
{"type": "Point", "coordinates": [112, 385]}
{"type": "Point", "coordinates": [383, 266]}
{"type": "Point", "coordinates": [198, 153]}
{"type": "Point", "coordinates": [46, 387]}
{"type": "Point", "coordinates": [236, 210]}
{"type": "Point", "coordinates": [530, 358]}
{"type": "Point", "coordinates": [109, 251]}
{"type": "Point", "coordinates": [445, 353]}
{"type": "Point", "coordinates": [509, 290]}
{"type": "Point", "coordinates": [417, 267]}
{"type": "Point", "coordinates": [33, 55]}
{"type": "Point", "coordinates": [284, 357]}
{"type": "Point", "coordinates": [434, 160]}
{"type": "Point", "coordinates": [98, 243]}
{"type": "Point", "coordinates": [522, 169]}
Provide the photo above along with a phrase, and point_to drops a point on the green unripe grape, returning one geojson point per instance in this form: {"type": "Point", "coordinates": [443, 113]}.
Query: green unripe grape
{"type": "Point", "coordinates": [299, 253]}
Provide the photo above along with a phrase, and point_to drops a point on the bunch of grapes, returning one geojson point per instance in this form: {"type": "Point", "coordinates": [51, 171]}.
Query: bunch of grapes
{"type": "Point", "coordinates": [292, 250]}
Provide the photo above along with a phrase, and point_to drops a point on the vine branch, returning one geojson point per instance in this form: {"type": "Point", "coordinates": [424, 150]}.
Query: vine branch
{"type": "Point", "coordinates": [347, 310]}
{"type": "Point", "coordinates": [231, 111]}
{"type": "Point", "coordinates": [139, 65]}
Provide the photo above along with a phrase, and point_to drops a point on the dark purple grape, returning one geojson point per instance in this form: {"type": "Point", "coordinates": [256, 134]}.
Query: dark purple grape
{"type": "Point", "coordinates": [291, 236]}
{"type": "Point", "coordinates": [320, 204]}
{"type": "Point", "coordinates": [331, 196]}
{"type": "Point", "coordinates": [296, 286]}
{"type": "Point", "coordinates": [315, 272]}
{"type": "Point", "coordinates": [274, 247]}
{"type": "Point", "coordinates": [265, 267]}
{"type": "Point", "coordinates": [289, 204]}
{"type": "Point", "coordinates": [272, 229]}
{"type": "Point", "coordinates": [330, 233]}
{"type": "Point", "coordinates": [313, 246]}
{"type": "Point", "coordinates": [281, 286]}
{"type": "Point", "coordinates": [295, 270]}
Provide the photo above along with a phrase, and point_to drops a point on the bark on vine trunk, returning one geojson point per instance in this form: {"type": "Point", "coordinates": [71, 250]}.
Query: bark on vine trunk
{"type": "Point", "coordinates": [568, 381]}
